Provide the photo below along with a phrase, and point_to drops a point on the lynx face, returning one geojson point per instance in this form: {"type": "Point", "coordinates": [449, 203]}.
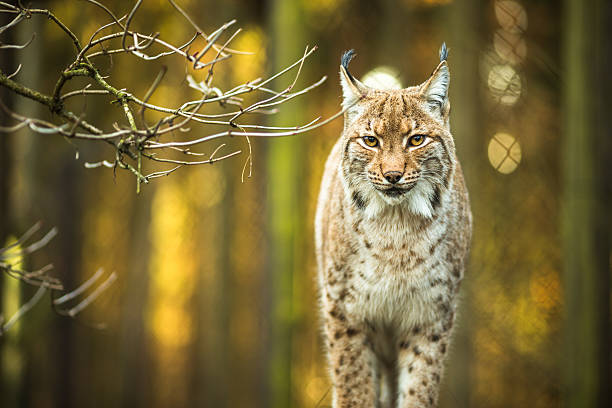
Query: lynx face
{"type": "Point", "coordinates": [398, 151]}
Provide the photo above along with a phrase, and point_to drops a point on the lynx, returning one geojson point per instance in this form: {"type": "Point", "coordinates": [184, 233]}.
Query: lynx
{"type": "Point", "coordinates": [392, 234]}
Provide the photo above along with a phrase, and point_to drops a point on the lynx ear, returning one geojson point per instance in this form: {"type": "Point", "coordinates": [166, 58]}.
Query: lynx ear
{"type": "Point", "coordinates": [352, 89]}
{"type": "Point", "coordinates": [435, 89]}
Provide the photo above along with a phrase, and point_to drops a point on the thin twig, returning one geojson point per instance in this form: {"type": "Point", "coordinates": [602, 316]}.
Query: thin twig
{"type": "Point", "coordinates": [26, 307]}
{"type": "Point", "coordinates": [18, 47]}
{"type": "Point", "coordinates": [32, 247]}
{"type": "Point", "coordinates": [27, 235]}
{"type": "Point", "coordinates": [127, 23]}
{"type": "Point", "coordinates": [94, 295]}
{"type": "Point", "coordinates": [86, 285]}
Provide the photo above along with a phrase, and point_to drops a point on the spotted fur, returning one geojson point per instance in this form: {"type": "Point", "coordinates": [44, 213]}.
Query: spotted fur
{"type": "Point", "coordinates": [393, 228]}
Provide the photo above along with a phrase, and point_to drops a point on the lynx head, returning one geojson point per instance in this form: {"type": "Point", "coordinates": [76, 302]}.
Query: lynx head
{"type": "Point", "coordinates": [398, 150]}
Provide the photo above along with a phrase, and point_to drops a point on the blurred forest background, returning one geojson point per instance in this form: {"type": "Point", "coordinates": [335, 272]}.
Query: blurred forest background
{"type": "Point", "coordinates": [215, 303]}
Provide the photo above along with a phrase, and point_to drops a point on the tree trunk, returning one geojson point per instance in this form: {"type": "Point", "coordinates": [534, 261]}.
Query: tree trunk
{"type": "Point", "coordinates": [464, 39]}
{"type": "Point", "coordinates": [7, 64]}
{"type": "Point", "coordinates": [586, 206]}
{"type": "Point", "coordinates": [284, 203]}
{"type": "Point", "coordinates": [17, 201]}
{"type": "Point", "coordinates": [134, 349]}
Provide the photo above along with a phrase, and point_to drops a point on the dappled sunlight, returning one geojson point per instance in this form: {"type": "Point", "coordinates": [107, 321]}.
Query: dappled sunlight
{"type": "Point", "coordinates": [177, 274]}
{"type": "Point", "coordinates": [173, 277]}
{"type": "Point", "coordinates": [106, 242]}
{"type": "Point", "coordinates": [249, 67]}
{"type": "Point", "coordinates": [12, 359]}
{"type": "Point", "coordinates": [11, 292]}
{"type": "Point", "coordinates": [101, 221]}
{"type": "Point", "coordinates": [172, 327]}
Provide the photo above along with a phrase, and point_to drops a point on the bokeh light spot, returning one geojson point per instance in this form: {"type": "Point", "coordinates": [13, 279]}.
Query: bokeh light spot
{"type": "Point", "coordinates": [545, 289]}
{"type": "Point", "coordinates": [382, 78]}
{"type": "Point", "coordinates": [172, 326]}
{"type": "Point", "coordinates": [511, 16]}
{"type": "Point", "coordinates": [252, 40]}
{"type": "Point", "coordinates": [505, 84]}
{"type": "Point", "coordinates": [504, 153]}
{"type": "Point", "coordinates": [322, 6]}
{"type": "Point", "coordinates": [510, 46]}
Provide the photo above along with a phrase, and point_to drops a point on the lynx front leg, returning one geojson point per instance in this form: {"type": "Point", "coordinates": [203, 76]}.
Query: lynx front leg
{"type": "Point", "coordinates": [421, 362]}
{"type": "Point", "coordinates": [352, 366]}
{"type": "Point", "coordinates": [387, 386]}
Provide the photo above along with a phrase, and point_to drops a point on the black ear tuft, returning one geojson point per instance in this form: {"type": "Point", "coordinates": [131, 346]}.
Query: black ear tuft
{"type": "Point", "coordinates": [346, 59]}
{"type": "Point", "coordinates": [443, 52]}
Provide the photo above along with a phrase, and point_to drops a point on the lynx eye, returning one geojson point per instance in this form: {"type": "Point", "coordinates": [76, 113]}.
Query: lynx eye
{"type": "Point", "coordinates": [370, 141]}
{"type": "Point", "coordinates": [416, 140]}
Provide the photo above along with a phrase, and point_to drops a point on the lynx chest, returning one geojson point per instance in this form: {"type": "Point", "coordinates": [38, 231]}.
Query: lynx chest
{"type": "Point", "coordinates": [401, 277]}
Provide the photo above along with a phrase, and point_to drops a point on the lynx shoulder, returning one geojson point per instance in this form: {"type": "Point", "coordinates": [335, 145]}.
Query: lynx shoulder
{"type": "Point", "coordinates": [392, 233]}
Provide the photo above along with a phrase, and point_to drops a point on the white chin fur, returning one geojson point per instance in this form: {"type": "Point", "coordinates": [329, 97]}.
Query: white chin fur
{"type": "Point", "coordinates": [417, 201]}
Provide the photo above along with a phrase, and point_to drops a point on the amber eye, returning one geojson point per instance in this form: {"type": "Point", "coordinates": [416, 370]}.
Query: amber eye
{"type": "Point", "coordinates": [370, 141]}
{"type": "Point", "coordinates": [416, 140]}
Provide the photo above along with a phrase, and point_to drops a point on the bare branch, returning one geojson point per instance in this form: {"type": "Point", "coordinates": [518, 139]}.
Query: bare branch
{"type": "Point", "coordinates": [135, 143]}
{"type": "Point", "coordinates": [11, 8]}
{"type": "Point", "coordinates": [156, 145]}
{"type": "Point", "coordinates": [209, 161]}
{"type": "Point", "coordinates": [200, 31]}
{"type": "Point", "coordinates": [162, 173]}
{"type": "Point", "coordinates": [152, 89]}
{"type": "Point", "coordinates": [84, 91]}
{"type": "Point", "coordinates": [13, 23]}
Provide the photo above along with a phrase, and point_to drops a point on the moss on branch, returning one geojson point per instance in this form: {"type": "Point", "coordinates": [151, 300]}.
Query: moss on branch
{"type": "Point", "coordinates": [25, 91]}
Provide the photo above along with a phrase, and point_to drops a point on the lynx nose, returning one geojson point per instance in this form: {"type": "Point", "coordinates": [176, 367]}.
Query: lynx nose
{"type": "Point", "coordinates": [393, 176]}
